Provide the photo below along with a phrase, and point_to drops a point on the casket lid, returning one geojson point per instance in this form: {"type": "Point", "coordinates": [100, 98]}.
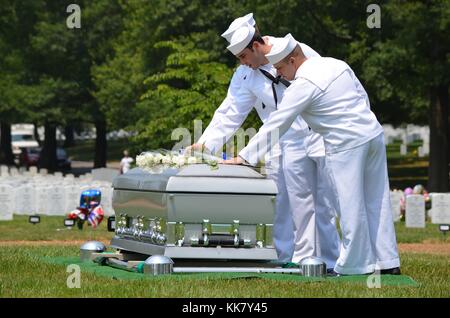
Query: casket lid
{"type": "Point", "coordinates": [158, 178]}
{"type": "Point", "coordinates": [140, 179]}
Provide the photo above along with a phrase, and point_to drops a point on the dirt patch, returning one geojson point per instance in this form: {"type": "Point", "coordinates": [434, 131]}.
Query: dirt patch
{"type": "Point", "coordinates": [426, 248]}
{"type": "Point", "coordinates": [46, 243]}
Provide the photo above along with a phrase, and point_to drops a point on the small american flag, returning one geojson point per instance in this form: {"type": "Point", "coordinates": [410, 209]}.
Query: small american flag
{"type": "Point", "coordinates": [96, 216]}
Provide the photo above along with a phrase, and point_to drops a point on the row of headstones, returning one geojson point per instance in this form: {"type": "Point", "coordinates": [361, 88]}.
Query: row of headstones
{"type": "Point", "coordinates": [13, 172]}
{"type": "Point", "coordinates": [415, 215]}
{"type": "Point", "coordinates": [34, 188]}
{"type": "Point", "coordinates": [422, 151]}
{"type": "Point", "coordinates": [48, 198]}
{"type": "Point", "coordinates": [101, 174]}
{"type": "Point", "coordinates": [408, 135]}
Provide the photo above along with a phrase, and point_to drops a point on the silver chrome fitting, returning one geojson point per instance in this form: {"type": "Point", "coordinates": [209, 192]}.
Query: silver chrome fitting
{"type": "Point", "coordinates": [206, 230]}
{"type": "Point", "coordinates": [235, 232]}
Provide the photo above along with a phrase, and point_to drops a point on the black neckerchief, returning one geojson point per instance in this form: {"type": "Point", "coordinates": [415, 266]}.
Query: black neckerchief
{"type": "Point", "coordinates": [274, 80]}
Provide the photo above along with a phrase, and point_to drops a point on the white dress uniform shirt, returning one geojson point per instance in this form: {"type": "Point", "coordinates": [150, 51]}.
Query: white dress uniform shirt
{"type": "Point", "coordinates": [248, 88]}
{"type": "Point", "coordinates": [333, 102]}
{"type": "Point", "coordinates": [331, 107]}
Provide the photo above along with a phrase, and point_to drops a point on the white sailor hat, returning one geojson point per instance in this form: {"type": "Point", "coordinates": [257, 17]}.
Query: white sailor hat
{"type": "Point", "coordinates": [241, 38]}
{"type": "Point", "coordinates": [281, 47]}
{"type": "Point", "coordinates": [236, 24]}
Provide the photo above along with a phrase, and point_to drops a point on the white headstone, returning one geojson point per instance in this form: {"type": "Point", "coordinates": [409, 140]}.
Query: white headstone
{"type": "Point", "coordinates": [43, 171]}
{"type": "Point", "coordinates": [396, 197]}
{"type": "Point", "coordinates": [87, 176]}
{"type": "Point", "coordinates": [13, 171]}
{"type": "Point", "coordinates": [25, 200]}
{"type": "Point", "coordinates": [58, 175]}
{"type": "Point", "coordinates": [41, 197]}
{"type": "Point", "coordinates": [440, 204]}
{"type": "Point", "coordinates": [426, 147]}
{"type": "Point", "coordinates": [415, 211]}
{"type": "Point", "coordinates": [403, 149]}
{"type": "Point", "coordinates": [33, 170]}
{"type": "Point", "coordinates": [420, 152]}
{"type": "Point", "coordinates": [106, 200]}
{"type": "Point", "coordinates": [6, 202]}
{"type": "Point", "coordinates": [72, 197]}
{"type": "Point", "coordinates": [4, 171]}
{"type": "Point", "coordinates": [56, 197]}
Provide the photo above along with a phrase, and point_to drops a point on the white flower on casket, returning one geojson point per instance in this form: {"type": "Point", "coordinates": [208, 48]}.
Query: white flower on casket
{"type": "Point", "coordinates": [157, 158]}
{"type": "Point", "coordinates": [179, 161]}
{"type": "Point", "coordinates": [140, 160]}
{"type": "Point", "coordinates": [192, 160]}
{"type": "Point", "coordinates": [151, 160]}
{"type": "Point", "coordinates": [144, 160]}
{"type": "Point", "coordinates": [166, 160]}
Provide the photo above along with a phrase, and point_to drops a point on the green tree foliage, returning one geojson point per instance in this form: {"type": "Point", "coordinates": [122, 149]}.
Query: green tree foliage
{"type": "Point", "coordinates": [191, 87]}
{"type": "Point", "coordinates": [153, 66]}
{"type": "Point", "coordinates": [406, 65]}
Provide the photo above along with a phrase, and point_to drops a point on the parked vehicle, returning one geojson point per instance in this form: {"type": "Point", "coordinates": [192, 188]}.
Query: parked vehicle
{"type": "Point", "coordinates": [63, 161]}
{"type": "Point", "coordinates": [21, 139]}
{"type": "Point", "coordinates": [29, 156]}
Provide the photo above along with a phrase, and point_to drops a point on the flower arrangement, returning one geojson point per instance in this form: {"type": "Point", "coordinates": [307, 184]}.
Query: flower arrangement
{"type": "Point", "coordinates": [418, 189]}
{"type": "Point", "coordinates": [153, 159]}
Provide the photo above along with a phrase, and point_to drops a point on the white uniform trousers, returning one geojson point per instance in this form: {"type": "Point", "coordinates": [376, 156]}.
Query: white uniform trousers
{"type": "Point", "coordinates": [328, 242]}
{"type": "Point", "coordinates": [313, 215]}
{"type": "Point", "coordinates": [361, 181]}
{"type": "Point", "coordinates": [283, 227]}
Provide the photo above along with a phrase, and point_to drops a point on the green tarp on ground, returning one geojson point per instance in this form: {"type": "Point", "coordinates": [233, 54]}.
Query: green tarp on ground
{"type": "Point", "coordinates": [115, 273]}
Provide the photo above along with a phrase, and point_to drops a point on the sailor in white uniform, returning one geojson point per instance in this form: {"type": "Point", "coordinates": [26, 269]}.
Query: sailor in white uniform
{"type": "Point", "coordinates": [299, 229]}
{"type": "Point", "coordinates": [329, 97]}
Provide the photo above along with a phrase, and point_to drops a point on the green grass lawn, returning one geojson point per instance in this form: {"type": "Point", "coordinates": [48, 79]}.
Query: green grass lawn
{"type": "Point", "coordinates": [51, 228]}
{"type": "Point", "coordinates": [23, 273]}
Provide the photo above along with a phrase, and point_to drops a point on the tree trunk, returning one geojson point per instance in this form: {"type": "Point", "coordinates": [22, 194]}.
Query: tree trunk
{"type": "Point", "coordinates": [6, 154]}
{"type": "Point", "coordinates": [36, 133]}
{"type": "Point", "coordinates": [68, 132]}
{"type": "Point", "coordinates": [438, 170]}
{"type": "Point", "coordinates": [100, 144]}
{"type": "Point", "coordinates": [48, 159]}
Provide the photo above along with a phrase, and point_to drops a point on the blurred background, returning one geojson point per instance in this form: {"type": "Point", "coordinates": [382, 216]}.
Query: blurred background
{"type": "Point", "coordinates": [75, 98]}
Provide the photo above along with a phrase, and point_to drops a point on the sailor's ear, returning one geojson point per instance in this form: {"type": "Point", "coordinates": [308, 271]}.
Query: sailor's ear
{"type": "Point", "coordinates": [256, 45]}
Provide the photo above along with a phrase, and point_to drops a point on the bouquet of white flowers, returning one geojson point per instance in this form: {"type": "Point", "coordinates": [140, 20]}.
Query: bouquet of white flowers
{"type": "Point", "coordinates": [150, 160]}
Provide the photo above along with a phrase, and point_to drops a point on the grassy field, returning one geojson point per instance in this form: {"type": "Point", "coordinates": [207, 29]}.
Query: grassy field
{"type": "Point", "coordinates": [23, 273]}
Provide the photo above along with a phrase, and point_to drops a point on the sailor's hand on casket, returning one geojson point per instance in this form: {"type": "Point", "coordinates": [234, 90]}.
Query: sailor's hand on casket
{"type": "Point", "coordinates": [233, 161]}
{"type": "Point", "coordinates": [196, 148]}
